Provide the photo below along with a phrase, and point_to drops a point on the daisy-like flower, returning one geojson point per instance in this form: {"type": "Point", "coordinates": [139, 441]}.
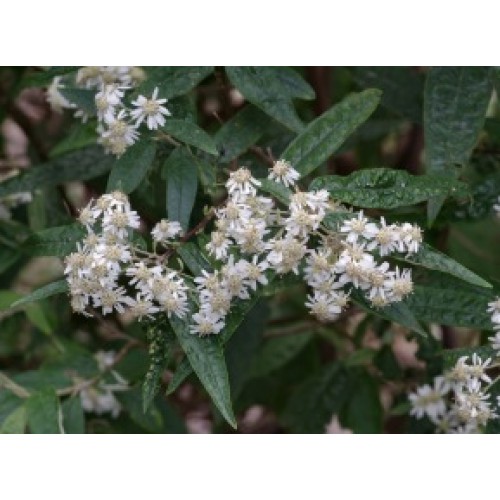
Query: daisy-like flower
{"type": "Point", "coordinates": [166, 230]}
{"type": "Point", "coordinates": [495, 342]}
{"type": "Point", "coordinates": [411, 236]}
{"type": "Point", "coordinates": [241, 183]}
{"type": "Point", "coordinates": [324, 306]}
{"type": "Point", "coordinates": [385, 239]}
{"type": "Point", "coordinates": [494, 310]}
{"type": "Point", "coordinates": [106, 101]}
{"type": "Point", "coordinates": [358, 227]}
{"type": "Point", "coordinates": [219, 245]}
{"type": "Point", "coordinates": [206, 322]}
{"type": "Point", "coordinates": [284, 173]}
{"type": "Point", "coordinates": [429, 400]}
{"type": "Point", "coordinates": [150, 110]}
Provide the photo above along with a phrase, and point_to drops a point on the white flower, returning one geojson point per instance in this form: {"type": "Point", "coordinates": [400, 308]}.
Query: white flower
{"type": "Point", "coordinates": [150, 110]}
{"type": "Point", "coordinates": [429, 400]}
{"type": "Point", "coordinates": [399, 284]}
{"type": "Point", "coordinates": [166, 230]}
{"type": "Point", "coordinates": [175, 304]}
{"type": "Point", "coordinates": [495, 342]}
{"type": "Point", "coordinates": [241, 184]}
{"type": "Point", "coordinates": [106, 101]}
{"type": "Point", "coordinates": [411, 236]}
{"type": "Point", "coordinates": [358, 227]}
{"type": "Point", "coordinates": [283, 172]}
{"type": "Point", "coordinates": [496, 207]}
{"type": "Point", "coordinates": [325, 306]}
{"type": "Point", "coordinates": [141, 306]}
{"type": "Point", "coordinates": [219, 245]}
{"type": "Point", "coordinates": [385, 239]}
{"type": "Point", "coordinates": [56, 100]}
{"type": "Point", "coordinates": [206, 322]}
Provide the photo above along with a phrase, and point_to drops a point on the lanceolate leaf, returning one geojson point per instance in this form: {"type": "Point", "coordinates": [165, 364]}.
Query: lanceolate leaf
{"type": "Point", "coordinates": [387, 188]}
{"type": "Point", "coordinates": [194, 258]}
{"type": "Point", "coordinates": [446, 300]}
{"type": "Point", "coordinates": [327, 133]}
{"type": "Point", "coordinates": [243, 130]}
{"type": "Point", "coordinates": [131, 168]}
{"type": "Point", "coordinates": [54, 288]}
{"type": "Point", "coordinates": [56, 241]}
{"type": "Point", "coordinates": [455, 103]}
{"type": "Point", "coordinates": [206, 357]}
{"type": "Point", "coordinates": [80, 165]}
{"type": "Point", "coordinates": [182, 183]}
{"type": "Point", "coordinates": [73, 417]}
{"type": "Point", "coordinates": [191, 134]}
{"type": "Point", "coordinates": [292, 83]}
{"type": "Point", "coordinates": [433, 259]}
{"type": "Point", "coordinates": [279, 191]}
{"type": "Point", "coordinates": [261, 86]}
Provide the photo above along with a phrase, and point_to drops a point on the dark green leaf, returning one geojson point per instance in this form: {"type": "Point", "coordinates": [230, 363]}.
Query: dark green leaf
{"type": "Point", "coordinates": [73, 417]}
{"type": "Point", "coordinates": [431, 258]}
{"type": "Point", "coordinates": [279, 191]}
{"type": "Point", "coordinates": [451, 356]}
{"type": "Point", "coordinates": [80, 165]}
{"type": "Point", "coordinates": [54, 288]}
{"type": "Point", "coordinates": [57, 241]}
{"type": "Point", "coordinates": [262, 87]}
{"type": "Point", "coordinates": [206, 357]}
{"type": "Point", "coordinates": [277, 352]}
{"type": "Point", "coordinates": [15, 422]}
{"type": "Point", "coordinates": [445, 300]}
{"type": "Point", "coordinates": [312, 404]}
{"type": "Point", "coordinates": [130, 169]}
{"type": "Point", "coordinates": [83, 98]}
{"type": "Point", "coordinates": [79, 137]}
{"type": "Point", "coordinates": [151, 421]}
{"type": "Point", "coordinates": [327, 133]}
{"type": "Point", "coordinates": [363, 411]}
{"type": "Point", "coordinates": [180, 375]}
{"type": "Point", "coordinates": [173, 81]}
{"type": "Point", "coordinates": [402, 88]}
{"type": "Point", "coordinates": [194, 258]}
{"type": "Point", "coordinates": [182, 183]}
{"type": "Point", "coordinates": [44, 413]}
{"type": "Point", "coordinates": [243, 130]}
{"type": "Point", "coordinates": [292, 83]}
{"type": "Point", "coordinates": [455, 103]}
{"type": "Point", "coordinates": [241, 349]}
{"type": "Point", "coordinates": [387, 188]}
{"type": "Point", "coordinates": [191, 134]}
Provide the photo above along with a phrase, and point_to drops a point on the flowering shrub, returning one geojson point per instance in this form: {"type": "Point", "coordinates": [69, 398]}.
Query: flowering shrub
{"type": "Point", "coordinates": [191, 248]}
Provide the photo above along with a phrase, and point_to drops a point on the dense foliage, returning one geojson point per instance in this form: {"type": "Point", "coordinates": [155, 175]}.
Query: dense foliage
{"type": "Point", "coordinates": [259, 249]}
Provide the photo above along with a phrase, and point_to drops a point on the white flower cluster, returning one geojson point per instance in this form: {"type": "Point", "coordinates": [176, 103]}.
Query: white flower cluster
{"type": "Point", "coordinates": [494, 310]}
{"type": "Point", "coordinates": [117, 124]}
{"type": "Point", "coordinates": [106, 256]}
{"type": "Point", "coordinates": [99, 398]}
{"type": "Point", "coordinates": [252, 238]}
{"type": "Point", "coordinates": [264, 237]}
{"type": "Point", "coordinates": [458, 402]}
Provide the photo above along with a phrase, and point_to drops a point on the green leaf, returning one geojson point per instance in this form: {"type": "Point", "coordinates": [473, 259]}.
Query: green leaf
{"type": "Point", "coordinates": [180, 375]}
{"type": "Point", "coordinates": [243, 130]}
{"type": "Point", "coordinates": [323, 136]}
{"type": "Point", "coordinates": [56, 241]}
{"type": "Point", "coordinates": [73, 417]}
{"type": "Point", "coordinates": [43, 292]}
{"type": "Point", "coordinates": [291, 82]}
{"type": "Point", "coordinates": [402, 88]}
{"type": "Point", "coordinates": [15, 423]}
{"type": "Point", "coordinates": [279, 191]}
{"type": "Point", "coordinates": [363, 411]}
{"type": "Point", "coordinates": [38, 317]}
{"type": "Point", "coordinates": [182, 183]}
{"type": "Point", "coordinates": [312, 405]}
{"type": "Point", "coordinates": [161, 341]}
{"type": "Point", "coordinates": [242, 347]}
{"type": "Point", "coordinates": [83, 98]}
{"type": "Point", "coordinates": [451, 356]}
{"type": "Point", "coordinates": [191, 134]}
{"type": "Point", "coordinates": [398, 312]}
{"type": "Point", "coordinates": [194, 258]}
{"type": "Point", "coordinates": [387, 188]}
{"type": "Point", "coordinates": [44, 413]}
{"type": "Point", "coordinates": [43, 77]}
{"type": "Point", "coordinates": [80, 165]}
{"type": "Point", "coordinates": [131, 168]}
{"type": "Point", "coordinates": [261, 86]}
{"type": "Point", "coordinates": [151, 421]}
{"type": "Point", "coordinates": [206, 357]}
{"type": "Point", "coordinates": [455, 103]}
{"type": "Point", "coordinates": [78, 137]}
{"type": "Point", "coordinates": [431, 258]}
{"type": "Point", "coordinates": [173, 81]}
{"type": "Point", "coordinates": [277, 352]}
{"type": "Point", "coordinates": [445, 300]}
